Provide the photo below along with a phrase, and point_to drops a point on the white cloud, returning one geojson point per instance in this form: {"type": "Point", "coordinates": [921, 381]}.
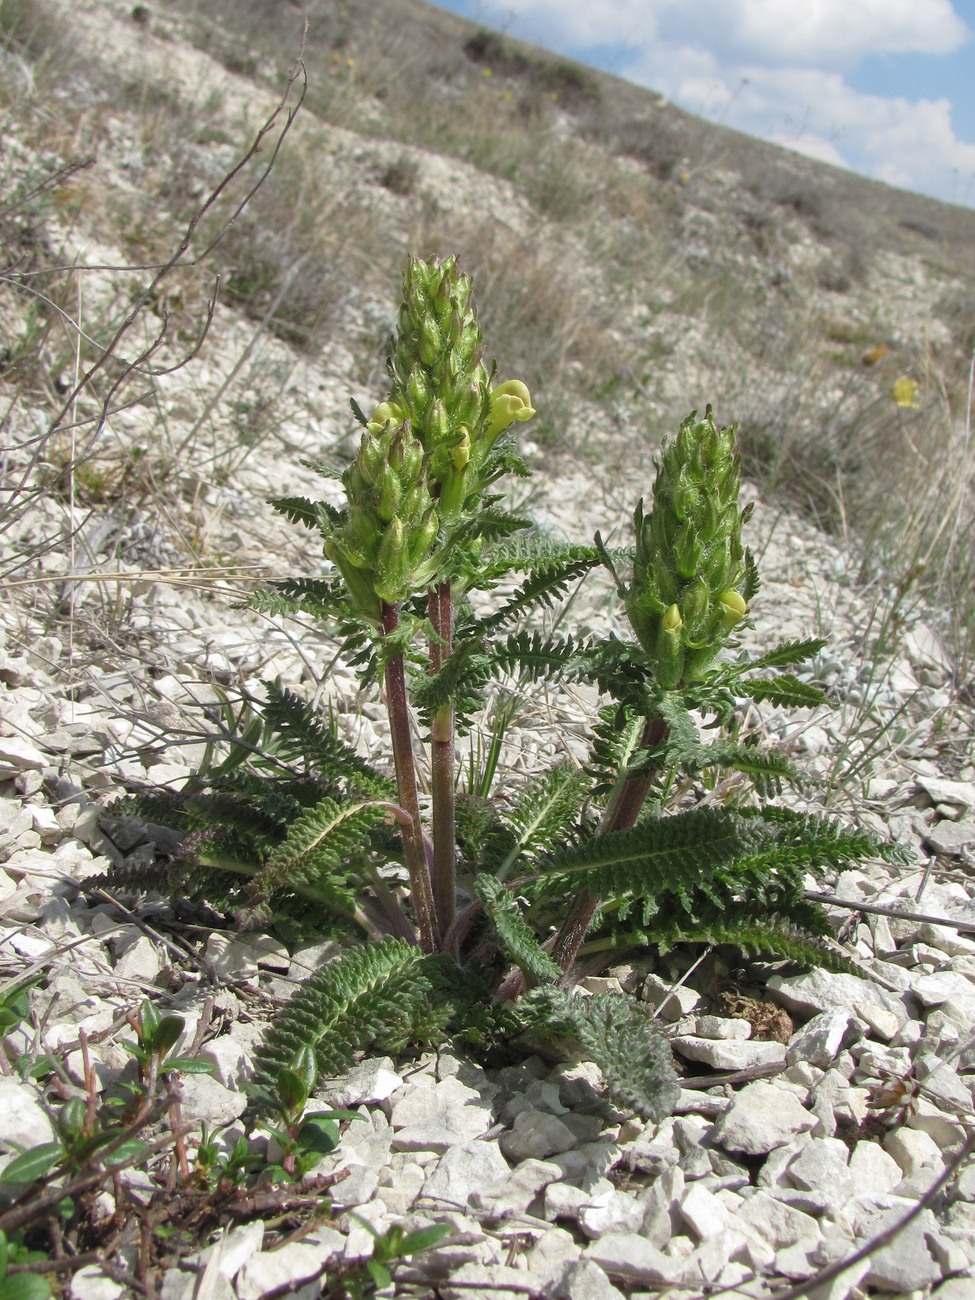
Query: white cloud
{"type": "Point", "coordinates": [906, 143]}
{"type": "Point", "coordinates": [833, 33]}
{"type": "Point", "coordinates": [815, 33]}
{"type": "Point", "coordinates": [775, 69]}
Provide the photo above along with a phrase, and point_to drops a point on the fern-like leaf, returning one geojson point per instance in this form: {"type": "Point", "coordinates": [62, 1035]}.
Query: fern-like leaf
{"type": "Point", "coordinates": [617, 1034]}
{"type": "Point", "coordinates": [544, 815]}
{"type": "Point", "coordinates": [317, 515]}
{"type": "Point", "coordinates": [540, 591]}
{"type": "Point", "coordinates": [380, 996]}
{"type": "Point", "coordinates": [318, 848]}
{"type": "Point", "coordinates": [780, 656]}
{"type": "Point", "coordinates": [515, 938]}
{"type": "Point", "coordinates": [785, 690]}
{"type": "Point", "coordinates": [659, 855]}
{"type": "Point", "coordinates": [766, 768]}
{"type": "Point", "coordinates": [300, 733]}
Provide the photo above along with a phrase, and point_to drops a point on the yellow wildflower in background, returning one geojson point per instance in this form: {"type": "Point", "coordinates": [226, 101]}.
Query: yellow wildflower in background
{"type": "Point", "coordinates": [904, 392]}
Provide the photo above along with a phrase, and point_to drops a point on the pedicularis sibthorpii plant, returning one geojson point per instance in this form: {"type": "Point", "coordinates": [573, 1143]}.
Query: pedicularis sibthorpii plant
{"type": "Point", "coordinates": [505, 898]}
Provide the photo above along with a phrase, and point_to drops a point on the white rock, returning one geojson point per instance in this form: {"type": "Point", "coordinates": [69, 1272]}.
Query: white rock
{"type": "Point", "coordinates": [873, 1171]}
{"type": "Point", "coordinates": [550, 1257]}
{"type": "Point", "coordinates": [437, 1118]}
{"type": "Point", "coordinates": [564, 1201]}
{"type": "Point", "coordinates": [957, 1288]}
{"type": "Point", "coordinates": [480, 1282]}
{"type": "Point", "coordinates": [703, 1212]}
{"type": "Point", "coordinates": [90, 1283]}
{"type": "Point", "coordinates": [232, 956]}
{"type": "Point", "coordinates": [881, 1022]}
{"type": "Point", "coordinates": [585, 1280]}
{"type": "Point", "coordinates": [929, 1118]}
{"type": "Point", "coordinates": [904, 1263]}
{"type": "Point", "coordinates": [609, 1210]}
{"type": "Point", "coordinates": [821, 990]}
{"type": "Point", "coordinates": [776, 1222]}
{"type": "Point", "coordinates": [19, 755]}
{"type": "Point", "coordinates": [537, 1135]}
{"type": "Point", "coordinates": [821, 1040]}
{"type": "Point", "coordinates": [761, 1118]}
{"type": "Point", "coordinates": [371, 1081]}
{"type": "Point", "coordinates": [513, 1193]}
{"type": "Point", "coordinates": [294, 1264]}
{"type": "Point", "coordinates": [661, 1203]}
{"type": "Point", "coordinates": [950, 838]}
{"type": "Point", "coordinates": [629, 1256]}
{"type": "Point", "coordinates": [590, 1160]}
{"type": "Point", "coordinates": [722, 1027]}
{"type": "Point", "coordinates": [363, 1155]}
{"type": "Point", "coordinates": [230, 1057]}
{"type": "Point", "coordinates": [23, 1123]}
{"type": "Point", "coordinates": [730, 1054]}
{"type": "Point", "coordinates": [669, 1001]}
{"type": "Point", "coordinates": [204, 1099]}
{"type": "Point", "coordinates": [462, 1170]}
{"type": "Point", "coordinates": [400, 1185]}
{"type": "Point", "coordinates": [939, 790]}
{"type": "Point", "coordinates": [141, 961]}
{"type": "Point", "coordinates": [822, 1164]}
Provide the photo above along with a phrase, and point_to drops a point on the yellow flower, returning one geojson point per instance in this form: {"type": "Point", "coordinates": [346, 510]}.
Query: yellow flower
{"type": "Point", "coordinates": [905, 391]}
{"type": "Point", "coordinates": [510, 401]}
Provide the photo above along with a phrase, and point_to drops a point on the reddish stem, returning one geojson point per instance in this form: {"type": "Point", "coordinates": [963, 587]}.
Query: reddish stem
{"type": "Point", "coordinates": [442, 759]}
{"type": "Point", "coordinates": [398, 710]}
{"type": "Point", "coordinates": [622, 812]}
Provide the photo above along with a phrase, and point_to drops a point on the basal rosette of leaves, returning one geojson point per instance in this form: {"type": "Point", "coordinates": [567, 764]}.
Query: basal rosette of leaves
{"type": "Point", "coordinates": [481, 909]}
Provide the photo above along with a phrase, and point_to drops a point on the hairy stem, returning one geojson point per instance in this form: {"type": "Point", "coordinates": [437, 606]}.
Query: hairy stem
{"type": "Point", "coordinates": [398, 710]}
{"type": "Point", "coordinates": [621, 813]}
{"type": "Point", "coordinates": [442, 765]}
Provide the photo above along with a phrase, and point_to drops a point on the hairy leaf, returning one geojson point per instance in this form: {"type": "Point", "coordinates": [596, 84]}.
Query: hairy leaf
{"type": "Point", "coordinates": [318, 847]}
{"type": "Point", "coordinates": [786, 690]}
{"type": "Point", "coordinates": [517, 942]}
{"type": "Point", "coordinates": [379, 996]}
{"type": "Point", "coordinates": [617, 1034]}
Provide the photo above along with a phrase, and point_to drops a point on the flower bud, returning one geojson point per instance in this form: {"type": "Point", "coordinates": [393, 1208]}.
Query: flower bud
{"type": "Point", "coordinates": [388, 495]}
{"type": "Point", "coordinates": [358, 581]}
{"type": "Point", "coordinates": [415, 504]}
{"type": "Point", "coordinates": [364, 531]}
{"type": "Point", "coordinates": [669, 658]}
{"type": "Point", "coordinates": [418, 393]}
{"type": "Point", "coordinates": [734, 609]}
{"type": "Point", "coordinates": [688, 551]}
{"type": "Point", "coordinates": [385, 415]}
{"type": "Point", "coordinates": [437, 425]}
{"type": "Point", "coordinates": [392, 564]}
{"type": "Point", "coordinates": [423, 537]}
{"type": "Point", "coordinates": [695, 604]}
{"type": "Point", "coordinates": [431, 341]}
{"type": "Point", "coordinates": [453, 490]}
{"type": "Point", "coordinates": [461, 454]}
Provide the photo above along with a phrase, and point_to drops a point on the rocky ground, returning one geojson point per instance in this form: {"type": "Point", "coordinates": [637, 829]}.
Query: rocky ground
{"type": "Point", "coordinates": [782, 1158]}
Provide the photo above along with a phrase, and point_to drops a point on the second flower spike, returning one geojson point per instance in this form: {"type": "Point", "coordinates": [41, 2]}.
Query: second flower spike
{"type": "Point", "coordinates": [689, 571]}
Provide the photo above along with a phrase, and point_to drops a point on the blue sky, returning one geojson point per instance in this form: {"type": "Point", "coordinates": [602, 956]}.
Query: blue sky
{"type": "Point", "coordinates": [884, 87]}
